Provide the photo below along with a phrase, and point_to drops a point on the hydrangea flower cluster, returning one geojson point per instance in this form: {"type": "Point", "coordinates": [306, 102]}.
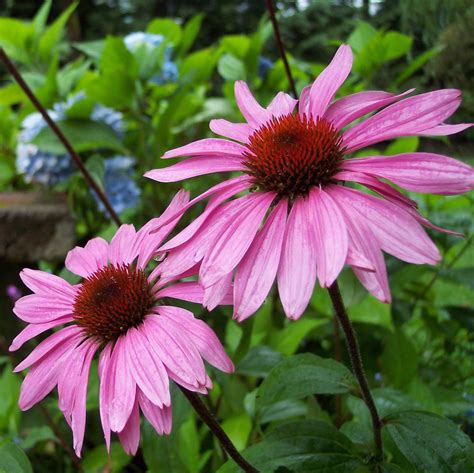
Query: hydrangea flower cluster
{"type": "Point", "coordinates": [169, 70]}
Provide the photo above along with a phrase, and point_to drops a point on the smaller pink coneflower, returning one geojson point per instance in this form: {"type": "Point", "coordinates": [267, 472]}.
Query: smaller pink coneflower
{"type": "Point", "coordinates": [119, 310]}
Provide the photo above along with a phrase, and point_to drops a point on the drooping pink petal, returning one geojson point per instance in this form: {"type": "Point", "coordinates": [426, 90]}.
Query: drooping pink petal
{"type": "Point", "coordinates": [282, 104]}
{"type": "Point", "coordinates": [419, 172]}
{"type": "Point", "coordinates": [42, 309]}
{"type": "Point", "coordinates": [218, 293]}
{"type": "Point", "coordinates": [408, 117]}
{"type": "Point", "coordinates": [235, 131]}
{"type": "Point", "coordinates": [122, 246]}
{"type": "Point", "coordinates": [32, 330]}
{"type": "Point", "coordinates": [252, 111]}
{"type": "Point", "coordinates": [445, 130]}
{"type": "Point", "coordinates": [330, 236]}
{"type": "Point", "coordinates": [231, 245]}
{"type": "Point", "coordinates": [257, 270]}
{"type": "Point", "coordinates": [350, 108]}
{"type": "Point", "coordinates": [397, 232]}
{"type": "Point", "coordinates": [357, 259]}
{"type": "Point", "coordinates": [159, 418]}
{"type": "Point", "coordinates": [297, 271]}
{"type": "Point", "coordinates": [146, 368]}
{"type": "Point", "coordinates": [326, 85]}
{"type": "Point", "coordinates": [122, 388]}
{"type": "Point", "coordinates": [86, 261]}
{"type": "Point", "coordinates": [208, 147]}
{"type": "Point", "coordinates": [426, 223]}
{"type": "Point", "coordinates": [193, 167]}
{"type": "Point", "coordinates": [47, 284]}
{"type": "Point", "coordinates": [104, 389]}
{"type": "Point", "coordinates": [130, 435]}
{"type": "Point", "coordinates": [202, 336]}
{"type": "Point", "coordinates": [54, 343]}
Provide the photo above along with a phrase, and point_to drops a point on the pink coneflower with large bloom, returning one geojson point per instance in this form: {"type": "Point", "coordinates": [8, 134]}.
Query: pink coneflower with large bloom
{"type": "Point", "coordinates": [299, 222]}
{"type": "Point", "coordinates": [120, 311]}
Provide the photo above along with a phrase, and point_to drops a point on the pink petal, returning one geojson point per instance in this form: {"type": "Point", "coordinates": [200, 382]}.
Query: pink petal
{"type": "Point", "coordinates": [122, 249]}
{"type": "Point", "coordinates": [397, 232]}
{"type": "Point", "coordinates": [32, 330]}
{"type": "Point", "coordinates": [219, 293]}
{"type": "Point", "coordinates": [408, 117]}
{"type": "Point", "coordinates": [330, 236]}
{"type": "Point", "coordinates": [326, 85]}
{"type": "Point", "coordinates": [190, 291]}
{"type": "Point", "coordinates": [202, 336]}
{"type": "Point", "coordinates": [258, 268]}
{"type": "Point", "coordinates": [350, 108]}
{"type": "Point", "coordinates": [193, 167]}
{"type": "Point", "coordinates": [444, 130]}
{"type": "Point", "coordinates": [42, 309]}
{"type": "Point", "coordinates": [122, 388]}
{"type": "Point", "coordinates": [86, 261]}
{"type": "Point", "coordinates": [235, 131]}
{"type": "Point", "coordinates": [303, 106]}
{"type": "Point", "coordinates": [130, 435]}
{"type": "Point", "coordinates": [104, 390]}
{"type": "Point", "coordinates": [419, 172]}
{"type": "Point", "coordinates": [357, 259]}
{"type": "Point", "coordinates": [253, 112]}
{"type": "Point", "coordinates": [208, 147]}
{"type": "Point", "coordinates": [282, 104]}
{"type": "Point", "coordinates": [46, 284]}
{"type": "Point", "coordinates": [146, 368]}
{"type": "Point", "coordinates": [159, 418]}
{"type": "Point", "coordinates": [297, 271]}
{"type": "Point", "coordinates": [232, 244]}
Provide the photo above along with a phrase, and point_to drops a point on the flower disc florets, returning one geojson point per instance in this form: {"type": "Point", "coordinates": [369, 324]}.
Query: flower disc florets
{"type": "Point", "coordinates": [113, 300]}
{"type": "Point", "coordinates": [291, 154]}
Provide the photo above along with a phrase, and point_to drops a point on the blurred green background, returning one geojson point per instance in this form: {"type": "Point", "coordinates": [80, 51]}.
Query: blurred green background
{"type": "Point", "coordinates": [128, 80]}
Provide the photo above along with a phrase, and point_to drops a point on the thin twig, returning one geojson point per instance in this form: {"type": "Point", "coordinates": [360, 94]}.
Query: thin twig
{"type": "Point", "coordinates": [337, 357]}
{"type": "Point", "coordinates": [12, 69]}
{"type": "Point", "coordinates": [281, 47]}
{"type": "Point", "coordinates": [357, 365]}
{"type": "Point", "coordinates": [216, 429]}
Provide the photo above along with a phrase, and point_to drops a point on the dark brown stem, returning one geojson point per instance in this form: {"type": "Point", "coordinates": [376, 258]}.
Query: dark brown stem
{"type": "Point", "coordinates": [57, 131]}
{"type": "Point", "coordinates": [281, 47]}
{"type": "Point", "coordinates": [357, 366]}
{"type": "Point", "coordinates": [216, 429]}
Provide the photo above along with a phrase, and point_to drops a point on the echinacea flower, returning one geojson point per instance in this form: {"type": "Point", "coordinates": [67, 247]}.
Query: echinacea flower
{"type": "Point", "coordinates": [299, 222]}
{"type": "Point", "coordinates": [120, 311]}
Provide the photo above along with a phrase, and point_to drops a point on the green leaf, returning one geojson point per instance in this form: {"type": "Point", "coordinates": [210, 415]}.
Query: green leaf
{"type": "Point", "coordinates": [13, 459]}
{"type": "Point", "coordinates": [6, 173]}
{"type": "Point", "coordinates": [236, 45]}
{"type": "Point", "coordinates": [84, 135]}
{"type": "Point", "coordinates": [169, 29]}
{"type": "Point", "coordinates": [305, 447]}
{"type": "Point", "coordinates": [288, 340]}
{"type": "Point", "coordinates": [431, 443]}
{"type": "Point", "coordinates": [37, 434]}
{"type": "Point", "coordinates": [238, 429]}
{"type": "Point", "coordinates": [416, 64]}
{"type": "Point", "coordinates": [39, 21]}
{"type": "Point", "coordinates": [15, 36]}
{"type": "Point", "coordinates": [97, 460]}
{"type": "Point", "coordinates": [52, 35]}
{"type": "Point", "coordinates": [399, 359]}
{"type": "Point", "coordinates": [303, 375]}
{"type": "Point", "coordinates": [408, 144]}
{"type": "Point", "coordinates": [361, 36]}
{"type": "Point", "coordinates": [190, 31]}
{"type": "Point", "coordinates": [93, 49]}
{"type": "Point", "coordinates": [198, 66]}
{"type": "Point", "coordinates": [395, 45]}
{"type": "Point", "coordinates": [372, 311]}
{"type": "Point", "coordinates": [117, 58]}
{"type": "Point", "coordinates": [259, 361]}
{"type": "Point", "coordinates": [231, 68]}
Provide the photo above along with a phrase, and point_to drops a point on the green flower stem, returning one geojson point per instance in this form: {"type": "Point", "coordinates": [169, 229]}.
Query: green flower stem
{"type": "Point", "coordinates": [357, 366]}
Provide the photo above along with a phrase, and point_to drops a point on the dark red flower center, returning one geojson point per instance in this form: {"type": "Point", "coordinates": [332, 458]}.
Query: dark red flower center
{"type": "Point", "coordinates": [113, 300]}
{"type": "Point", "coordinates": [289, 155]}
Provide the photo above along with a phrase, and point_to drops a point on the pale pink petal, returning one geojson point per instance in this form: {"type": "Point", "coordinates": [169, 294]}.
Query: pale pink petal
{"type": "Point", "coordinates": [86, 261]}
{"type": "Point", "coordinates": [408, 117]}
{"type": "Point", "coordinates": [54, 343]}
{"type": "Point", "coordinates": [252, 111]}
{"type": "Point", "coordinates": [46, 284]}
{"type": "Point", "coordinates": [122, 388]}
{"type": "Point", "coordinates": [232, 244]}
{"type": "Point", "coordinates": [122, 248]}
{"type": "Point", "coordinates": [357, 259]}
{"type": "Point", "coordinates": [159, 418]}
{"type": "Point", "coordinates": [146, 368]}
{"type": "Point", "coordinates": [297, 271]}
{"type": "Point", "coordinates": [350, 108]}
{"type": "Point", "coordinates": [32, 330]}
{"type": "Point", "coordinates": [303, 106]}
{"type": "Point", "coordinates": [397, 232]}
{"type": "Point", "coordinates": [219, 293]}
{"type": "Point", "coordinates": [208, 147]}
{"type": "Point", "coordinates": [130, 435]}
{"type": "Point", "coordinates": [444, 130]}
{"type": "Point", "coordinates": [202, 336]}
{"type": "Point", "coordinates": [282, 104]}
{"type": "Point", "coordinates": [257, 270]}
{"type": "Point", "coordinates": [104, 389]}
{"type": "Point", "coordinates": [193, 167]}
{"type": "Point", "coordinates": [190, 291]}
{"type": "Point", "coordinates": [330, 236]}
{"type": "Point", "coordinates": [326, 85]}
{"type": "Point", "coordinates": [419, 172]}
{"type": "Point", "coordinates": [235, 131]}
{"type": "Point", "coordinates": [42, 309]}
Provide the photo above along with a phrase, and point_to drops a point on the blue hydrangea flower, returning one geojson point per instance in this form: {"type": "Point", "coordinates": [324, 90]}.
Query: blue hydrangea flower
{"type": "Point", "coordinates": [264, 65]}
{"type": "Point", "coordinates": [169, 70]}
{"type": "Point", "coordinates": [120, 188]}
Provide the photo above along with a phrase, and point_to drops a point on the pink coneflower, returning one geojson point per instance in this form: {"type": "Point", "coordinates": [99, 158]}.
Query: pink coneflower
{"type": "Point", "coordinates": [118, 310]}
{"type": "Point", "coordinates": [299, 222]}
